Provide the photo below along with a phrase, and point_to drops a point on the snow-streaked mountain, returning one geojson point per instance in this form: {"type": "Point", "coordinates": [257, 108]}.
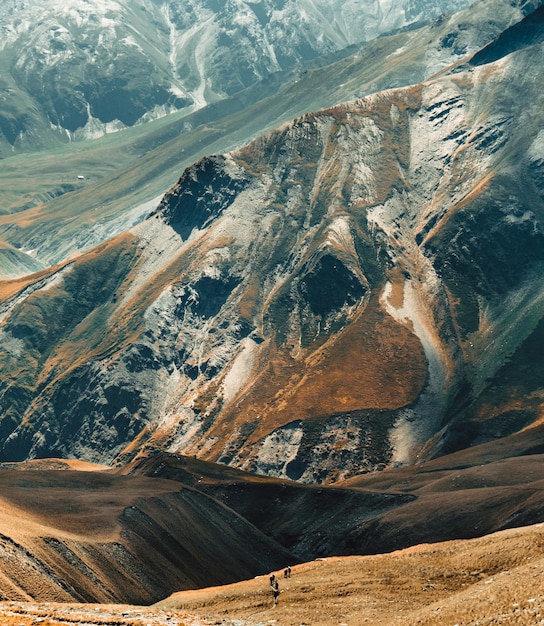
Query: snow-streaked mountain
{"type": "Point", "coordinates": [359, 288]}
{"type": "Point", "coordinates": [50, 213]}
{"type": "Point", "coordinates": [78, 68]}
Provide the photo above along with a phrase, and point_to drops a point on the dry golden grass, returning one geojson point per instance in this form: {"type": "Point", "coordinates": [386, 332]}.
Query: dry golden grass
{"type": "Point", "coordinates": [55, 614]}
{"type": "Point", "coordinates": [97, 536]}
{"type": "Point", "coordinates": [491, 580]}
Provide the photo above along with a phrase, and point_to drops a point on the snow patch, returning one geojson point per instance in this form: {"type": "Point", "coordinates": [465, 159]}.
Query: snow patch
{"type": "Point", "coordinates": [527, 216]}
{"type": "Point", "coordinates": [156, 113]}
{"type": "Point", "coordinates": [176, 91]}
{"type": "Point", "coordinates": [159, 243]}
{"type": "Point", "coordinates": [94, 128]}
{"type": "Point", "coordinates": [172, 56]}
{"type": "Point", "coordinates": [131, 42]}
{"type": "Point", "coordinates": [339, 235]}
{"type": "Point", "coordinates": [416, 424]}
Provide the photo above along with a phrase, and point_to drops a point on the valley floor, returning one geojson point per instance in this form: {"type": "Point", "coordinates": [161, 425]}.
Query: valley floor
{"type": "Point", "coordinates": [497, 579]}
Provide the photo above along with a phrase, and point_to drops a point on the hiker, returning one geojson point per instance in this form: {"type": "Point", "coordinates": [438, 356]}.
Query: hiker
{"type": "Point", "coordinates": [287, 572]}
{"type": "Point", "coordinates": [276, 591]}
{"type": "Point", "coordinates": [272, 579]}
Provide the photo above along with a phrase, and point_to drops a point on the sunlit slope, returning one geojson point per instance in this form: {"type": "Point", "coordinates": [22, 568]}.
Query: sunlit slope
{"type": "Point", "coordinates": [484, 581]}
{"type": "Point", "coordinates": [77, 69]}
{"type": "Point", "coordinates": [343, 294]}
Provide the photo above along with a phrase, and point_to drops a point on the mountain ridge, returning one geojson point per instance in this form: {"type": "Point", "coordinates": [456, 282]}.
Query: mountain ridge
{"type": "Point", "coordinates": [397, 322]}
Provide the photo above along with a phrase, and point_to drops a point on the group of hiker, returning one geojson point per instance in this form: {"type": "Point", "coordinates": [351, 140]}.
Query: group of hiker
{"type": "Point", "coordinates": [274, 583]}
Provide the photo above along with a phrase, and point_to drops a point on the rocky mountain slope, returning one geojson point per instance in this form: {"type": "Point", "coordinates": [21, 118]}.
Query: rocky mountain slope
{"type": "Point", "coordinates": [78, 69]}
{"type": "Point", "coordinates": [358, 289]}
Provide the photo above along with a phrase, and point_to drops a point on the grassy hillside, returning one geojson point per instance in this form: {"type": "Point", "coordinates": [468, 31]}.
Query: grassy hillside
{"type": "Point", "coordinates": [493, 580]}
{"type": "Point", "coordinates": [94, 536]}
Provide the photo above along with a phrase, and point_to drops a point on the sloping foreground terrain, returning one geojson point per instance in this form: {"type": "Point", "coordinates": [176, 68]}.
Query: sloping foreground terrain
{"type": "Point", "coordinates": [462, 495]}
{"type": "Point", "coordinates": [479, 582]}
{"type": "Point", "coordinates": [493, 580]}
{"type": "Point", "coordinates": [359, 289]}
{"type": "Point", "coordinates": [170, 523]}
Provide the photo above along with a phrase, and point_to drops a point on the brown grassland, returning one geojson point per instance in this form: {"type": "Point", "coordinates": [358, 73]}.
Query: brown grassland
{"type": "Point", "coordinates": [497, 579]}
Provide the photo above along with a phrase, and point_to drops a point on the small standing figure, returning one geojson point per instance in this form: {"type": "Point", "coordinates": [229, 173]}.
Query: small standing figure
{"type": "Point", "coordinates": [276, 591]}
{"type": "Point", "coordinates": [272, 579]}
{"type": "Point", "coordinates": [287, 572]}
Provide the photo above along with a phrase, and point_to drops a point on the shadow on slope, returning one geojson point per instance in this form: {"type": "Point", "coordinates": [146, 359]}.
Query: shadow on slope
{"type": "Point", "coordinates": [468, 494]}
{"type": "Point", "coordinates": [101, 537]}
{"type": "Point", "coordinates": [526, 33]}
{"type": "Point", "coordinates": [84, 193]}
{"type": "Point", "coordinates": [307, 520]}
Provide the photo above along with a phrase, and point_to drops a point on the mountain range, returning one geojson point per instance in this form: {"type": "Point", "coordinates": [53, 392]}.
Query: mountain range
{"type": "Point", "coordinates": [77, 70]}
{"type": "Point", "coordinates": [325, 337]}
{"type": "Point", "coordinates": [113, 183]}
{"type": "Point", "coordinates": [337, 296]}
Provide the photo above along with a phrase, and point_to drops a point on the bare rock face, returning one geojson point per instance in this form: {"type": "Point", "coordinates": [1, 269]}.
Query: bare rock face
{"type": "Point", "coordinates": [338, 296]}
